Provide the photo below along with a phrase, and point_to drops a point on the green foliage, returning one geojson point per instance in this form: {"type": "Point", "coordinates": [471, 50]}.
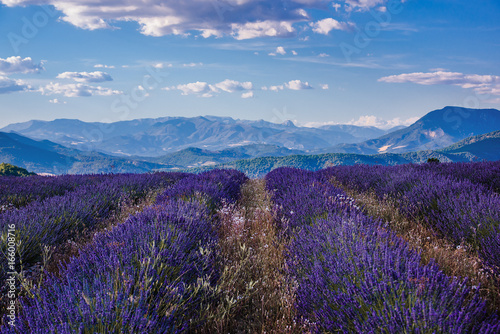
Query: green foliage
{"type": "Point", "coordinates": [433, 160]}
{"type": "Point", "coordinates": [11, 170]}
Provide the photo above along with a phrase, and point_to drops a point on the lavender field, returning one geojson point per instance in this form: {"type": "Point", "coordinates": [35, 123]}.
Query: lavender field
{"type": "Point", "coordinates": [348, 249]}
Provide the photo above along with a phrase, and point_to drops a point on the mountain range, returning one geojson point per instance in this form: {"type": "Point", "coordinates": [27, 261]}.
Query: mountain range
{"type": "Point", "coordinates": [177, 143]}
{"type": "Point", "coordinates": [157, 137]}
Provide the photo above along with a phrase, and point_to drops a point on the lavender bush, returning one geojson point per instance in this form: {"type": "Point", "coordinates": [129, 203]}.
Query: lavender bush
{"type": "Point", "coordinates": [150, 274]}
{"type": "Point", "coordinates": [355, 276]}
{"type": "Point", "coordinates": [449, 203]}
{"type": "Point", "coordinates": [60, 218]}
{"type": "Point", "coordinates": [16, 192]}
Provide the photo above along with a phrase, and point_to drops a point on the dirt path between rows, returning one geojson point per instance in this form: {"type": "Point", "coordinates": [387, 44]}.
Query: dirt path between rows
{"type": "Point", "coordinates": [257, 295]}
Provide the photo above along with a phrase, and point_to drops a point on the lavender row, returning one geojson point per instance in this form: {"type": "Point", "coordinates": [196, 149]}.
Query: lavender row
{"type": "Point", "coordinates": [459, 210]}
{"type": "Point", "coordinates": [60, 218]}
{"type": "Point", "coordinates": [355, 276]}
{"type": "Point", "coordinates": [295, 211]}
{"type": "Point", "coordinates": [211, 188]}
{"type": "Point", "coordinates": [151, 274]}
{"type": "Point", "coordinates": [484, 173]}
{"type": "Point", "coordinates": [16, 192]}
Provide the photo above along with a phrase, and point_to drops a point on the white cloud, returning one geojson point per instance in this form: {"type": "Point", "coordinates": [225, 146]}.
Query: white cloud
{"type": "Point", "coordinates": [483, 84]}
{"type": "Point", "coordinates": [19, 65]}
{"type": "Point", "coordinates": [262, 29]}
{"type": "Point", "coordinates": [103, 66]}
{"type": "Point", "coordinates": [143, 90]}
{"type": "Point", "coordinates": [382, 124]}
{"type": "Point", "coordinates": [205, 89]}
{"type": "Point", "coordinates": [364, 5]}
{"type": "Point", "coordinates": [242, 19]}
{"type": "Point", "coordinates": [280, 50]}
{"type": "Point", "coordinates": [192, 64]}
{"type": "Point", "coordinates": [440, 77]}
{"type": "Point", "coordinates": [231, 86]}
{"type": "Point", "coordinates": [324, 86]}
{"type": "Point", "coordinates": [247, 95]}
{"type": "Point", "coordinates": [294, 52]}
{"type": "Point", "coordinates": [276, 88]}
{"type": "Point", "coordinates": [323, 55]}
{"type": "Point", "coordinates": [206, 33]}
{"type": "Point", "coordinates": [373, 121]}
{"type": "Point", "coordinates": [297, 85]}
{"type": "Point", "coordinates": [197, 87]}
{"type": "Point", "coordinates": [97, 76]}
{"type": "Point", "coordinates": [57, 101]}
{"type": "Point", "coordinates": [77, 90]}
{"type": "Point", "coordinates": [163, 65]}
{"type": "Point", "coordinates": [326, 25]}
{"type": "Point", "coordinates": [8, 85]}
{"type": "Point", "coordinates": [292, 85]}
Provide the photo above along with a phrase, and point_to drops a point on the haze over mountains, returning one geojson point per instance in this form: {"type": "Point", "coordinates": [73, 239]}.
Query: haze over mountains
{"type": "Point", "coordinates": [72, 146]}
{"type": "Point", "coordinates": [156, 137]}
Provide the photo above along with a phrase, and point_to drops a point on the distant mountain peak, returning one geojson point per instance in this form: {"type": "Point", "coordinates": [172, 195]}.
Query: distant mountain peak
{"type": "Point", "coordinates": [437, 129]}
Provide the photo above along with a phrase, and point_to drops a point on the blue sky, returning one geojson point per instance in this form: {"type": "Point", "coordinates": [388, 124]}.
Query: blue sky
{"type": "Point", "coordinates": [366, 62]}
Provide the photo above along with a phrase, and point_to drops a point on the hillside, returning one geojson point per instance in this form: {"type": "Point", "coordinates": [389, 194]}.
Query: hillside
{"type": "Point", "coordinates": [436, 130]}
{"type": "Point", "coordinates": [48, 157]}
{"type": "Point", "coordinates": [481, 147]}
{"type": "Point", "coordinates": [477, 148]}
{"type": "Point", "coordinates": [11, 170]}
{"type": "Point", "coordinates": [195, 157]}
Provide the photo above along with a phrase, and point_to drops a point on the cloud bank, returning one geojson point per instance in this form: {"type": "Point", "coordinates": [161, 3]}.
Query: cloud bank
{"type": "Point", "coordinates": [369, 120]}
{"type": "Point", "coordinates": [482, 84]}
{"type": "Point", "coordinates": [86, 76]}
{"type": "Point", "coordinates": [242, 19]}
{"type": "Point", "coordinates": [17, 64]}
{"type": "Point", "coordinates": [292, 85]}
{"type": "Point", "coordinates": [8, 85]}
{"type": "Point", "coordinates": [204, 89]}
{"type": "Point", "coordinates": [77, 90]}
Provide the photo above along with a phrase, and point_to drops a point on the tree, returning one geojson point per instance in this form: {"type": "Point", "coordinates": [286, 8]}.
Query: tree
{"type": "Point", "coordinates": [11, 170]}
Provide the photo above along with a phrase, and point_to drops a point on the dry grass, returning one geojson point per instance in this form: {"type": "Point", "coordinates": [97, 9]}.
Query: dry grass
{"type": "Point", "coordinates": [455, 261]}
{"type": "Point", "coordinates": [255, 295]}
